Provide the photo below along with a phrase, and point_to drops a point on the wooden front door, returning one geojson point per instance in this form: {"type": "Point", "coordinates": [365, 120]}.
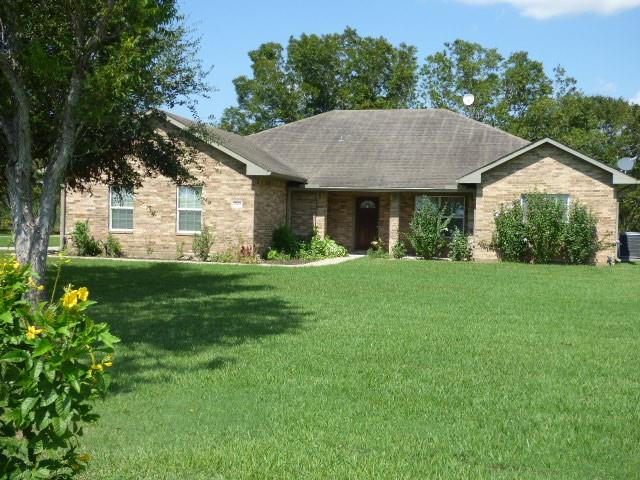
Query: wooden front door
{"type": "Point", "coordinates": [366, 222]}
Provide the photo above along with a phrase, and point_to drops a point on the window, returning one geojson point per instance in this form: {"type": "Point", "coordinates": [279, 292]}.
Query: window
{"type": "Point", "coordinates": [560, 198]}
{"type": "Point", "coordinates": [189, 209]}
{"type": "Point", "coordinates": [453, 206]}
{"type": "Point", "coordinates": [368, 204]}
{"type": "Point", "coordinates": [120, 209]}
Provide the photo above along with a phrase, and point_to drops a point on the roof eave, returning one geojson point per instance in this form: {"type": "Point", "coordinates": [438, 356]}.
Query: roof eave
{"type": "Point", "coordinates": [618, 178]}
{"type": "Point", "coordinates": [253, 169]}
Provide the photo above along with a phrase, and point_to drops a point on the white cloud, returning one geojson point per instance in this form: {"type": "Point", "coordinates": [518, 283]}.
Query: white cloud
{"type": "Point", "coordinates": [636, 99]}
{"type": "Point", "coordinates": [542, 9]}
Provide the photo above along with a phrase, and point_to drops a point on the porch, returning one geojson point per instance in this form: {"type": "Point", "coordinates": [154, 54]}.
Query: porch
{"type": "Point", "coordinates": [356, 218]}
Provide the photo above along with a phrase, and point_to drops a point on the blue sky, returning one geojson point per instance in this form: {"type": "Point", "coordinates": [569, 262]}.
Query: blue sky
{"type": "Point", "coordinates": [595, 40]}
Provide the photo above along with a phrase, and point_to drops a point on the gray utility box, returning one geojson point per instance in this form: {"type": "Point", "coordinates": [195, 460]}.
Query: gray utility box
{"type": "Point", "coordinates": [629, 246]}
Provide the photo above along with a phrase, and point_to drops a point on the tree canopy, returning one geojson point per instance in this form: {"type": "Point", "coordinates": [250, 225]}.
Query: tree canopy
{"type": "Point", "coordinates": [80, 85]}
{"type": "Point", "coordinates": [319, 73]}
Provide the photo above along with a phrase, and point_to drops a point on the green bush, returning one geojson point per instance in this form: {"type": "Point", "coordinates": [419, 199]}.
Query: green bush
{"type": "Point", "coordinates": [318, 248]}
{"type": "Point", "coordinates": [377, 250]}
{"type": "Point", "coordinates": [226, 256]}
{"type": "Point", "coordinates": [399, 250]}
{"type": "Point", "coordinates": [459, 246]}
{"type": "Point", "coordinates": [112, 247]}
{"type": "Point", "coordinates": [53, 365]}
{"type": "Point", "coordinates": [581, 235]}
{"type": "Point", "coordinates": [427, 231]}
{"type": "Point", "coordinates": [276, 255]}
{"type": "Point", "coordinates": [509, 238]}
{"type": "Point", "coordinates": [284, 240]}
{"type": "Point", "coordinates": [202, 244]}
{"type": "Point", "coordinates": [84, 243]}
{"type": "Point", "coordinates": [546, 232]}
{"type": "Point", "coordinates": [545, 220]}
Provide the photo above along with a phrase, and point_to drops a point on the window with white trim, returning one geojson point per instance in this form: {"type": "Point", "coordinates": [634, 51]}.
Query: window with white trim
{"type": "Point", "coordinates": [560, 198]}
{"type": "Point", "coordinates": [452, 205]}
{"type": "Point", "coordinates": [189, 209]}
{"type": "Point", "coordinates": [120, 209]}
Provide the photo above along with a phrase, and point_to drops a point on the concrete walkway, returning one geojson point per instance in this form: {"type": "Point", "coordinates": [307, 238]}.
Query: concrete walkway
{"type": "Point", "coordinates": [317, 263]}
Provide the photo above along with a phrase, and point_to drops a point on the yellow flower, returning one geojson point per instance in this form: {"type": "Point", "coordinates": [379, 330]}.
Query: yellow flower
{"type": "Point", "coordinates": [97, 367]}
{"type": "Point", "coordinates": [107, 364]}
{"type": "Point", "coordinates": [83, 294]}
{"type": "Point", "coordinates": [84, 458]}
{"type": "Point", "coordinates": [70, 299]}
{"type": "Point", "coordinates": [33, 332]}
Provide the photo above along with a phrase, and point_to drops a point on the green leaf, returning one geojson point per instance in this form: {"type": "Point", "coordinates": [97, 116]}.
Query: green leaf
{"type": "Point", "coordinates": [59, 425]}
{"type": "Point", "coordinates": [15, 356]}
{"type": "Point", "coordinates": [37, 369]}
{"type": "Point", "coordinates": [49, 398]}
{"type": "Point", "coordinates": [108, 339]}
{"type": "Point", "coordinates": [27, 404]}
{"type": "Point", "coordinates": [6, 317]}
{"type": "Point", "coordinates": [43, 346]}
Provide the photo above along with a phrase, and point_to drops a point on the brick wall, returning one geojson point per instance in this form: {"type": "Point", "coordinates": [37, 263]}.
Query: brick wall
{"type": "Point", "coordinates": [270, 209]}
{"type": "Point", "coordinates": [546, 169]}
{"type": "Point", "coordinates": [155, 233]}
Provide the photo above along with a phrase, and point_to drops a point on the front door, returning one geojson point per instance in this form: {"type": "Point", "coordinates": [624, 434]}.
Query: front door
{"type": "Point", "coordinates": [366, 222]}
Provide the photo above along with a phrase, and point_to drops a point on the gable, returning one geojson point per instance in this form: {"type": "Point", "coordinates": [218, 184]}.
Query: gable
{"type": "Point", "coordinates": [613, 176]}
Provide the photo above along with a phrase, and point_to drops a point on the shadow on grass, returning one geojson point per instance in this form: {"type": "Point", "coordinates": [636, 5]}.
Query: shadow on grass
{"type": "Point", "coordinates": [167, 315]}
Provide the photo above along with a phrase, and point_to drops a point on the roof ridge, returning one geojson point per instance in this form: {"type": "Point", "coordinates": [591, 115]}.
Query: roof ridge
{"type": "Point", "coordinates": [280, 127]}
{"type": "Point", "coordinates": [486, 125]}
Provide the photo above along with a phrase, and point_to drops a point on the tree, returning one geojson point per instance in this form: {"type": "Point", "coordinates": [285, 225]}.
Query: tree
{"type": "Point", "coordinates": [80, 84]}
{"type": "Point", "coordinates": [504, 88]}
{"type": "Point", "coordinates": [515, 94]}
{"type": "Point", "coordinates": [601, 127]}
{"type": "Point", "coordinates": [319, 73]}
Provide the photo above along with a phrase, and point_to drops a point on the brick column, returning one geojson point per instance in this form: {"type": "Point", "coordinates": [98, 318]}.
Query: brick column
{"type": "Point", "coordinates": [320, 215]}
{"type": "Point", "coordinates": [394, 220]}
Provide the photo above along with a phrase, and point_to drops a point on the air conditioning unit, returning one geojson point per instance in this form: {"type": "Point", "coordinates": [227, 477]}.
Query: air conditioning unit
{"type": "Point", "coordinates": [629, 246]}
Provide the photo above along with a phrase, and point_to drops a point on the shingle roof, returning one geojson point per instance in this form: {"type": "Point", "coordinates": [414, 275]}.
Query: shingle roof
{"type": "Point", "coordinates": [243, 147]}
{"type": "Point", "coordinates": [424, 148]}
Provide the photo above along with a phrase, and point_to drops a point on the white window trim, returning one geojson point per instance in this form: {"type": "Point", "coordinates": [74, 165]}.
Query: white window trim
{"type": "Point", "coordinates": [111, 207]}
{"type": "Point", "coordinates": [464, 206]}
{"type": "Point", "coordinates": [178, 210]}
{"type": "Point", "coordinates": [568, 205]}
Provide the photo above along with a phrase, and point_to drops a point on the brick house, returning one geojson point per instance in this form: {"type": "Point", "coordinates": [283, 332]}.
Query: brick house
{"type": "Point", "coordinates": [352, 175]}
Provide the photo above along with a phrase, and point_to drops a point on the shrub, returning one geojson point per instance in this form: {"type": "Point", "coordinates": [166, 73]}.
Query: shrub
{"type": "Point", "coordinates": [427, 229]}
{"type": "Point", "coordinates": [112, 247]}
{"type": "Point", "coordinates": [85, 244]}
{"type": "Point", "coordinates": [223, 257]}
{"type": "Point", "coordinates": [580, 238]}
{"type": "Point", "coordinates": [276, 255]}
{"type": "Point", "coordinates": [509, 238]}
{"type": "Point", "coordinates": [248, 254]}
{"type": "Point", "coordinates": [179, 251]}
{"type": "Point", "coordinates": [319, 248]}
{"type": "Point", "coordinates": [202, 244]}
{"type": "Point", "coordinates": [377, 250]}
{"type": "Point", "coordinates": [547, 232]}
{"type": "Point", "coordinates": [459, 247]}
{"type": "Point", "coordinates": [545, 222]}
{"type": "Point", "coordinates": [53, 365]}
{"type": "Point", "coordinates": [399, 250]}
{"type": "Point", "coordinates": [284, 240]}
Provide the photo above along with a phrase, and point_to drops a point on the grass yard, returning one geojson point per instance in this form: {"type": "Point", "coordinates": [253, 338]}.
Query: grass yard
{"type": "Point", "coordinates": [6, 240]}
{"type": "Point", "coordinates": [368, 369]}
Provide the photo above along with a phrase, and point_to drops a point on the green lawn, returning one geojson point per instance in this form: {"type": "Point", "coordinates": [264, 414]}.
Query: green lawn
{"type": "Point", "coordinates": [5, 240]}
{"type": "Point", "coordinates": [368, 369]}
